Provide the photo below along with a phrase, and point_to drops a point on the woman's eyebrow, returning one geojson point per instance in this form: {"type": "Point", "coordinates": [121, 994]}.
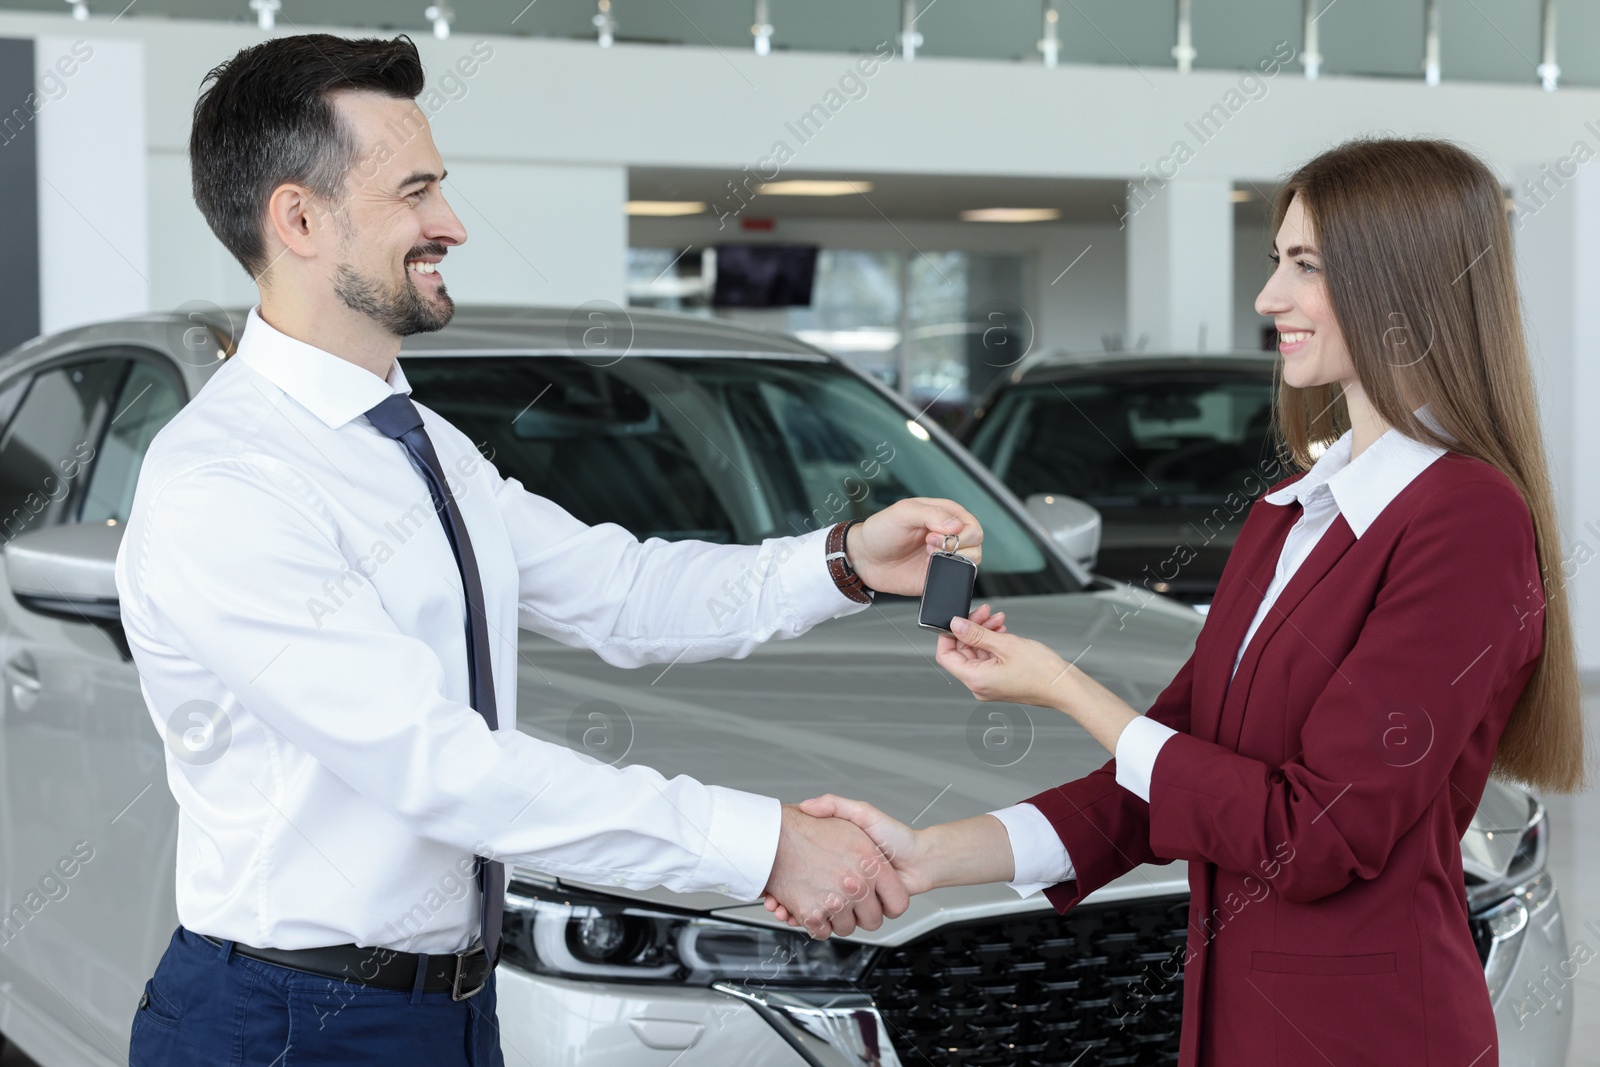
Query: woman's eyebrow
{"type": "Point", "coordinates": [1301, 250]}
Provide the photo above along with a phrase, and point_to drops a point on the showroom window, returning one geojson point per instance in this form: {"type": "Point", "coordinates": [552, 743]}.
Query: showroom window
{"type": "Point", "coordinates": [935, 326]}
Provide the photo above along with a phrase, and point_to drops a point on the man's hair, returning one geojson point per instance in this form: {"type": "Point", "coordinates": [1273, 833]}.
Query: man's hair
{"type": "Point", "coordinates": [264, 118]}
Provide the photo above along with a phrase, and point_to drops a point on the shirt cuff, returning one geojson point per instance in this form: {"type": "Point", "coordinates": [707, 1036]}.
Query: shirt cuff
{"type": "Point", "coordinates": [742, 843]}
{"type": "Point", "coordinates": [1137, 748]}
{"type": "Point", "coordinates": [809, 592]}
{"type": "Point", "coordinates": [1041, 859]}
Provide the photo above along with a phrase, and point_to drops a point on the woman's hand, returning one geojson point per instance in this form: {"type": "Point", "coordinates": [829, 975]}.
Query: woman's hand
{"type": "Point", "coordinates": [997, 665]}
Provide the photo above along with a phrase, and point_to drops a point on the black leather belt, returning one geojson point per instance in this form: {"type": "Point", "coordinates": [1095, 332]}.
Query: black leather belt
{"type": "Point", "coordinates": [461, 974]}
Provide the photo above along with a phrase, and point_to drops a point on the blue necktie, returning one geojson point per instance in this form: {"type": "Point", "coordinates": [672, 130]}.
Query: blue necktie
{"type": "Point", "coordinates": [397, 417]}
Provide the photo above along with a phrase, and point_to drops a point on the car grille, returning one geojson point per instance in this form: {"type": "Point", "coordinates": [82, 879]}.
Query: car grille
{"type": "Point", "coordinates": [1040, 990]}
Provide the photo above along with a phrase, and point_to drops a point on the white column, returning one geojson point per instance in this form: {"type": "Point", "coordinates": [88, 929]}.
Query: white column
{"type": "Point", "coordinates": [1180, 264]}
{"type": "Point", "coordinates": [94, 260]}
{"type": "Point", "coordinates": [1556, 228]}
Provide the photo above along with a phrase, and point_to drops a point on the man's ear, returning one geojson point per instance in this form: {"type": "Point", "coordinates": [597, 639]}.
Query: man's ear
{"type": "Point", "coordinates": [301, 222]}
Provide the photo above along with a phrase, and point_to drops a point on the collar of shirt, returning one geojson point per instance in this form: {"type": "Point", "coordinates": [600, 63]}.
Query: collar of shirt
{"type": "Point", "coordinates": [332, 388]}
{"type": "Point", "coordinates": [1363, 487]}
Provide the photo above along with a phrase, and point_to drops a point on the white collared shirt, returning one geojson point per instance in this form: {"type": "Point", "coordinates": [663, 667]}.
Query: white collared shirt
{"type": "Point", "coordinates": [297, 619]}
{"type": "Point", "coordinates": [1335, 485]}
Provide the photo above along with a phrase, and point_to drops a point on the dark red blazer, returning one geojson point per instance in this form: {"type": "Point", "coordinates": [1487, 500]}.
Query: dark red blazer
{"type": "Point", "coordinates": [1321, 796]}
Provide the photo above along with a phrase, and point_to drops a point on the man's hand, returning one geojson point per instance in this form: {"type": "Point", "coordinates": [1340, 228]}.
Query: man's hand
{"type": "Point", "coordinates": [890, 550]}
{"type": "Point", "coordinates": [831, 877]}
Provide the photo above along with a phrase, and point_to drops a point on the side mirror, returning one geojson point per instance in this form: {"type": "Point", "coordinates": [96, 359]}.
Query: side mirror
{"type": "Point", "coordinates": [1074, 525]}
{"type": "Point", "coordinates": [69, 573]}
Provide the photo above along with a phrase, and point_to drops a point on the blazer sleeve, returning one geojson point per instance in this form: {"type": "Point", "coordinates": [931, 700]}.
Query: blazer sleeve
{"type": "Point", "coordinates": [1445, 650]}
{"type": "Point", "coordinates": [1104, 826]}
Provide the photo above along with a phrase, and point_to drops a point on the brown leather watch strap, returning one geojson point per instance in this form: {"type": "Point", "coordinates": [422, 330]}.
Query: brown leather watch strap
{"type": "Point", "coordinates": [839, 569]}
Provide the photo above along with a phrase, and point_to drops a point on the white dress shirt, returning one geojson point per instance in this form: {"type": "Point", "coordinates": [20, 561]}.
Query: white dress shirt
{"type": "Point", "coordinates": [284, 575]}
{"type": "Point", "coordinates": [1358, 489]}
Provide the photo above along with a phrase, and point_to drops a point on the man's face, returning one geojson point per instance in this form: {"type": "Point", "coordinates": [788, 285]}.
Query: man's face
{"type": "Point", "coordinates": [394, 226]}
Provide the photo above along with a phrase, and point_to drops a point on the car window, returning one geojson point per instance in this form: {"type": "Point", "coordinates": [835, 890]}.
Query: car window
{"type": "Point", "coordinates": [10, 396]}
{"type": "Point", "coordinates": [729, 450]}
{"type": "Point", "coordinates": [1131, 439]}
{"type": "Point", "coordinates": [150, 395]}
{"type": "Point", "coordinates": [47, 443]}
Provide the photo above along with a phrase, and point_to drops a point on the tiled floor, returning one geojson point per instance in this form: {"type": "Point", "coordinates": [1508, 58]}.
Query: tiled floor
{"type": "Point", "coordinates": [1575, 862]}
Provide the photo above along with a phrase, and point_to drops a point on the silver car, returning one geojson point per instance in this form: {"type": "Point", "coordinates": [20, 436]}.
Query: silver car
{"type": "Point", "coordinates": [679, 428]}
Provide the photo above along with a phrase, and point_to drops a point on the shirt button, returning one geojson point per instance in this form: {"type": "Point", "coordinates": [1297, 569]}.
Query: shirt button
{"type": "Point", "coordinates": [144, 1001]}
{"type": "Point", "coordinates": [616, 879]}
{"type": "Point", "coordinates": [723, 888]}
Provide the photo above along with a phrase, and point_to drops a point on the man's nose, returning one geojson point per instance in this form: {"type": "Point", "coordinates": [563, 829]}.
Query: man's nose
{"type": "Point", "coordinates": [443, 225]}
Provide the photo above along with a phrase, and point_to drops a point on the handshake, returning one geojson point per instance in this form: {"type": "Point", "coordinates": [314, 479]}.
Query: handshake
{"type": "Point", "coordinates": [844, 864]}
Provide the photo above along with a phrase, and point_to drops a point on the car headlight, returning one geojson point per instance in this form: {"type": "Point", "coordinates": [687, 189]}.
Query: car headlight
{"type": "Point", "coordinates": [1501, 911]}
{"type": "Point", "coordinates": [1527, 863]}
{"type": "Point", "coordinates": [556, 930]}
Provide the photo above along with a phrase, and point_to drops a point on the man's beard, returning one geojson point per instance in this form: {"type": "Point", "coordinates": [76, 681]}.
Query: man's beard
{"type": "Point", "coordinates": [402, 311]}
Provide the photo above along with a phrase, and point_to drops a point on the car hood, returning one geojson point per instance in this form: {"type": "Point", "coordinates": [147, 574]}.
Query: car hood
{"type": "Point", "coordinates": [857, 706]}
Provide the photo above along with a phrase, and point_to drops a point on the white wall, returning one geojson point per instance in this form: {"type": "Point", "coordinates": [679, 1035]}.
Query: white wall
{"type": "Point", "coordinates": [539, 233]}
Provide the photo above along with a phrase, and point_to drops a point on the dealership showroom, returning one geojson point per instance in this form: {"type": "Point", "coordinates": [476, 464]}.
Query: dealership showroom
{"type": "Point", "coordinates": [799, 533]}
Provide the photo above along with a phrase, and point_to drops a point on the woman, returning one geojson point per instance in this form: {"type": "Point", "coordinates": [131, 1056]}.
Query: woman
{"type": "Point", "coordinates": [1389, 629]}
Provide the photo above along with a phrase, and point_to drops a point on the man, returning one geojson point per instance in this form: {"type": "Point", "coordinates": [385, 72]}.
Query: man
{"type": "Point", "coordinates": [366, 692]}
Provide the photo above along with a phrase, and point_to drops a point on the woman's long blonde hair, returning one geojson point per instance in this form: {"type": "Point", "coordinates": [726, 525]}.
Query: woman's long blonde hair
{"type": "Point", "coordinates": [1417, 255]}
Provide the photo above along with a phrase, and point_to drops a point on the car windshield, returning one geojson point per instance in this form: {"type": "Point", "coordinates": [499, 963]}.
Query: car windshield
{"type": "Point", "coordinates": [730, 450]}
{"type": "Point", "coordinates": [1131, 439]}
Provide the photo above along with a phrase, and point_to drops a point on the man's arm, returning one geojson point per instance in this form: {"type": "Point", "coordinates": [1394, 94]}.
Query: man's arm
{"type": "Point", "coordinates": [220, 567]}
{"type": "Point", "coordinates": [635, 602]}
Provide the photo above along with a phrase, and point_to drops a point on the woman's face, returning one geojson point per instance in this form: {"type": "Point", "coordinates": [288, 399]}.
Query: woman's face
{"type": "Point", "coordinates": [1296, 299]}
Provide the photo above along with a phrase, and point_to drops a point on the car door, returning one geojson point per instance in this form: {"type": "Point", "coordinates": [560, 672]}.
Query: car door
{"type": "Point", "coordinates": [87, 827]}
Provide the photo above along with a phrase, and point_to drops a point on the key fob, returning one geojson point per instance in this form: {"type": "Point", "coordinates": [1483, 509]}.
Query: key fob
{"type": "Point", "coordinates": [947, 592]}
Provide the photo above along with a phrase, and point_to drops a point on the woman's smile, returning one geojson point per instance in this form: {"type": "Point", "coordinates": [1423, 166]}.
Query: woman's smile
{"type": "Point", "coordinates": [1291, 341]}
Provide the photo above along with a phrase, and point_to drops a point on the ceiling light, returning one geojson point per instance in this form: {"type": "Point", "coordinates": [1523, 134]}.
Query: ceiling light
{"type": "Point", "coordinates": [1241, 196]}
{"type": "Point", "coordinates": [266, 13]}
{"type": "Point", "coordinates": [808, 187]}
{"type": "Point", "coordinates": [910, 39]}
{"type": "Point", "coordinates": [440, 16]}
{"type": "Point", "coordinates": [1011, 214]}
{"type": "Point", "coordinates": [663, 208]}
{"type": "Point", "coordinates": [80, 10]}
{"type": "Point", "coordinates": [761, 30]}
{"type": "Point", "coordinates": [606, 23]}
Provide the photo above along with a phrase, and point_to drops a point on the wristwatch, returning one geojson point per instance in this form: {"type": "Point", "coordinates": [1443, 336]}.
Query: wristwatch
{"type": "Point", "coordinates": [844, 576]}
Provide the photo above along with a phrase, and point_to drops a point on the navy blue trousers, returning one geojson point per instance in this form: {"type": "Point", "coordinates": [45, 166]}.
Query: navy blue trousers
{"type": "Point", "coordinates": [211, 1007]}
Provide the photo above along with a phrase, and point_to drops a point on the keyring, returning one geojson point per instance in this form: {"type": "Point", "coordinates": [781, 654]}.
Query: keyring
{"type": "Point", "coordinates": [952, 537]}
